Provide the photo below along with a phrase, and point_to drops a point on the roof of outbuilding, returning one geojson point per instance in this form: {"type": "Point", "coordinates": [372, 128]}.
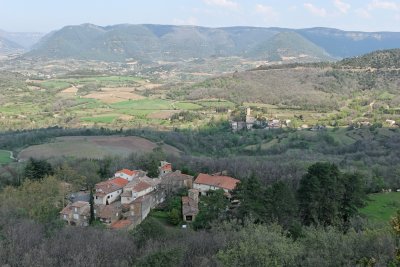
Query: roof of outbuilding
{"type": "Point", "coordinates": [189, 206]}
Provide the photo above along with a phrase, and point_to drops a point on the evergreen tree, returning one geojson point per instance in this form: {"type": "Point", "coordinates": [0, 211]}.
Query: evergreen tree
{"type": "Point", "coordinates": [250, 194]}
{"type": "Point", "coordinates": [91, 203]}
{"type": "Point", "coordinates": [280, 204]}
{"type": "Point", "coordinates": [37, 169]}
{"type": "Point", "coordinates": [328, 197]}
{"type": "Point", "coordinates": [353, 197]}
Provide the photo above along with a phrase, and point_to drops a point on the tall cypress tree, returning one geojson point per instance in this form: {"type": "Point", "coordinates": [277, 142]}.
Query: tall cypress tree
{"type": "Point", "coordinates": [91, 203]}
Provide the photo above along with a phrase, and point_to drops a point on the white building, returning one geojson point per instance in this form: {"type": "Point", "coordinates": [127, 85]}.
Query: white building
{"type": "Point", "coordinates": [165, 167]}
{"type": "Point", "coordinates": [126, 174]}
{"type": "Point", "coordinates": [109, 191]}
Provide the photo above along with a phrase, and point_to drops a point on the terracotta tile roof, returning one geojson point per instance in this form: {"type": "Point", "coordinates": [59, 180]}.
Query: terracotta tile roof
{"type": "Point", "coordinates": [166, 167]}
{"type": "Point", "coordinates": [224, 182]}
{"type": "Point", "coordinates": [121, 224]}
{"type": "Point", "coordinates": [119, 181]}
{"type": "Point", "coordinates": [110, 186]}
{"type": "Point", "coordinates": [135, 181]}
{"type": "Point", "coordinates": [128, 172]}
{"type": "Point", "coordinates": [141, 186]}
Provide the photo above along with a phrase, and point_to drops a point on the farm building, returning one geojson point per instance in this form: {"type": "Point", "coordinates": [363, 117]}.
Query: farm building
{"type": "Point", "coordinates": [206, 182]}
{"type": "Point", "coordinates": [190, 205]}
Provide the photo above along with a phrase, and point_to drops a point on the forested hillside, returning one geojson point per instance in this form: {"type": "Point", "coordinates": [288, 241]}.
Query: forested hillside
{"type": "Point", "coordinates": [172, 43]}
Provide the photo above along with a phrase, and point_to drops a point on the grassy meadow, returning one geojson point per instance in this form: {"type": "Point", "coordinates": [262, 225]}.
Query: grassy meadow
{"type": "Point", "coordinates": [5, 157]}
{"type": "Point", "coordinates": [382, 206]}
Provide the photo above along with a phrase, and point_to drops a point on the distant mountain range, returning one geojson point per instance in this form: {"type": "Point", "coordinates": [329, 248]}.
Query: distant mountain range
{"type": "Point", "coordinates": [11, 42]}
{"type": "Point", "coordinates": [149, 42]}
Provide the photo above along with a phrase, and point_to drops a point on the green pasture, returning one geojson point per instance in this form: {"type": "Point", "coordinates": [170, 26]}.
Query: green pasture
{"type": "Point", "coordinates": [382, 206]}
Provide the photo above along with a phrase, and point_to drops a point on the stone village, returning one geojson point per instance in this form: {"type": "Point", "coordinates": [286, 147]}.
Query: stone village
{"type": "Point", "coordinates": [125, 200]}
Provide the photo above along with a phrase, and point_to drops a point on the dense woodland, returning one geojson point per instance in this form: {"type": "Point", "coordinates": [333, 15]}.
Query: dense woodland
{"type": "Point", "coordinates": [283, 219]}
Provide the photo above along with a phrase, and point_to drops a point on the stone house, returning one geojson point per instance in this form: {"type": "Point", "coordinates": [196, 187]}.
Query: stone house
{"type": "Point", "coordinates": [109, 191]}
{"type": "Point", "coordinates": [108, 214]}
{"type": "Point", "coordinates": [173, 181]}
{"type": "Point", "coordinates": [137, 210]}
{"type": "Point", "coordinates": [137, 188]}
{"type": "Point", "coordinates": [190, 205]}
{"type": "Point", "coordinates": [77, 213]}
{"type": "Point", "coordinates": [206, 182]}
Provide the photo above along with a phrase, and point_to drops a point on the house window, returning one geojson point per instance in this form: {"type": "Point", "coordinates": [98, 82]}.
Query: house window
{"type": "Point", "coordinates": [84, 217]}
{"type": "Point", "coordinates": [65, 216]}
{"type": "Point", "coordinates": [76, 216]}
{"type": "Point", "coordinates": [189, 218]}
{"type": "Point", "coordinates": [76, 209]}
{"type": "Point", "coordinates": [108, 197]}
{"type": "Point", "coordinates": [96, 197]}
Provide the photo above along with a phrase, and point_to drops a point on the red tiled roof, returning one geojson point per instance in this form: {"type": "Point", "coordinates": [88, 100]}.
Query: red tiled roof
{"type": "Point", "coordinates": [167, 166]}
{"type": "Point", "coordinates": [141, 186]}
{"type": "Point", "coordinates": [119, 181]}
{"type": "Point", "coordinates": [121, 224]}
{"type": "Point", "coordinates": [128, 172]}
{"type": "Point", "coordinates": [106, 187]}
{"type": "Point", "coordinates": [224, 182]}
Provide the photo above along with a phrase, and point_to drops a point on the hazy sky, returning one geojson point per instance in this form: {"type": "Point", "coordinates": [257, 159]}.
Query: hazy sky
{"type": "Point", "coordinates": [47, 15]}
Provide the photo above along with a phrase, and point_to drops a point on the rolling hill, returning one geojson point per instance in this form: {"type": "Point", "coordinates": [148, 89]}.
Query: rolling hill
{"type": "Point", "coordinates": [175, 43]}
{"type": "Point", "coordinates": [315, 86]}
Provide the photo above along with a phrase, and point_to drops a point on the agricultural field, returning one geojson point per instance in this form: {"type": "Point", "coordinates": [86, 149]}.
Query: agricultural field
{"type": "Point", "coordinates": [95, 147]}
{"type": "Point", "coordinates": [381, 207]}
{"type": "Point", "coordinates": [5, 157]}
{"type": "Point", "coordinates": [108, 101]}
